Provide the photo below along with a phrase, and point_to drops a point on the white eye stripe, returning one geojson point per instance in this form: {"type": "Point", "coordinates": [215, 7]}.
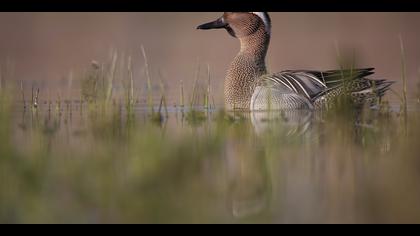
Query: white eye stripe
{"type": "Point", "coordinates": [264, 18]}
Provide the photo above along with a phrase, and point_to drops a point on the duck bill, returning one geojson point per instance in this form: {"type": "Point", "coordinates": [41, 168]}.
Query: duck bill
{"type": "Point", "coordinates": [217, 24]}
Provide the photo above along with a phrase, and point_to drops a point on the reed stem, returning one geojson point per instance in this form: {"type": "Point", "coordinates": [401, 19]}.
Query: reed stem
{"type": "Point", "coordinates": [162, 91]}
{"type": "Point", "coordinates": [149, 80]}
{"type": "Point", "coordinates": [181, 98]}
{"type": "Point", "coordinates": [23, 94]}
{"type": "Point", "coordinates": [207, 96]}
{"type": "Point", "coordinates": [404, 79]}
{"type": "Point", "coordinates": [111, 77]}
{"type": "Point", "coordinates": [131, 89]}
{"type": "Point", "coordinates": [197, 75]}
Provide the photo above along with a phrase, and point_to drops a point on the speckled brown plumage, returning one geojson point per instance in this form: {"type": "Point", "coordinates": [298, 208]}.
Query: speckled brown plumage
{"type": "Point", "coordinates": [245, 68]}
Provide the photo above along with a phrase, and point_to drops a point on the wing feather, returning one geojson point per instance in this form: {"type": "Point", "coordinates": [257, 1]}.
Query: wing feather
{"type": "Point", "coordinates": [311, 83]}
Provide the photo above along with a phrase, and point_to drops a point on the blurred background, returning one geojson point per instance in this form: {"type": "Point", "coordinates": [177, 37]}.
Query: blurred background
{"type": "Point", "coordinates": [44, 47]}
{"type": "Point", "coordinates": [94, 162]}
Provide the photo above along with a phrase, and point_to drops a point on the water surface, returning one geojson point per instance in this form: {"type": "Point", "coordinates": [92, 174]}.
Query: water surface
{"type": "Point", "coordinates": [92, 165]}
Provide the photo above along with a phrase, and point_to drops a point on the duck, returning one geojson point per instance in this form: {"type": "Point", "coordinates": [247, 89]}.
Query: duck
{"type": "Point", "coordinates": [249, 86]}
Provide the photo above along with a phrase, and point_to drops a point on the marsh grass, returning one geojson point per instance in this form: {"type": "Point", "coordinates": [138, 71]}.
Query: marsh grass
{"type": "Point", "coordinates": [93, 84]}
{"type": "Point", "coordinates": [218, 170]}
{"type": "Point", "coordinates": [193, 115]}
{"type": "Point", "coordinates": [105, 166]}
{"type": "Point", "coordinates": [101, 83]}
{"type": "Point", "coordinates": [194, 97]}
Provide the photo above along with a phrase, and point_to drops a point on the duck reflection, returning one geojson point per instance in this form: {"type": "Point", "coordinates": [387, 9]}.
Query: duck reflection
{"type": "Point", "coordinates": [293, 122]}
{"type": "Point", "coordinates": [249, 182]}
{"type": "Point", "coordinates": [249, 175]}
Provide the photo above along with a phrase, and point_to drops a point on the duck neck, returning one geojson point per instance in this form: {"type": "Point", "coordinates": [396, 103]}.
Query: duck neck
{"type": "Point", "coordinates": [255, 47]}
{"type": "Point", "coordinates": [246, 68]}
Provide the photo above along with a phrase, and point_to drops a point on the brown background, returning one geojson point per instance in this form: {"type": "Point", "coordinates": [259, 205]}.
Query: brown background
{"type": "Point", "coordinates": [46, 46]}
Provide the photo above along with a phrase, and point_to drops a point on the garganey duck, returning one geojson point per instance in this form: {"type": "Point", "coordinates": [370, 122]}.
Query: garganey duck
{"type": "Point", "coordinates": [248, 86]}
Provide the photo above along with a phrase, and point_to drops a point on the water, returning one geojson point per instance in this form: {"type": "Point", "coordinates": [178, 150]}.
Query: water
{"type": "Point", "coordinates": [96, 166]}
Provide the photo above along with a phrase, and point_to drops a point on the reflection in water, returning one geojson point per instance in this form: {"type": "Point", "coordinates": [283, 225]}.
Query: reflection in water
{"type": "Point", "coordinates": [307, 193]}
{"type": "Point", "coordinates": [249, 176]}
{"type": "Point", "coordinates": [295, 122]}
{"type": "Point", "coordinates": [249, 182]}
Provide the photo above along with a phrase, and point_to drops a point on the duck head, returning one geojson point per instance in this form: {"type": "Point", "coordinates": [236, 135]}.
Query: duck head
{"type": "Point", "coordinates": [240, 24]}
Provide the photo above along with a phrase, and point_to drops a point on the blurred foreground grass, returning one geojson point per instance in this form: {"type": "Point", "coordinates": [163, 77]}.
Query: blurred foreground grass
{"type": "Point", "coordinates": [115, 159]}
{"type": "Point", "coordinates": [111, 166]}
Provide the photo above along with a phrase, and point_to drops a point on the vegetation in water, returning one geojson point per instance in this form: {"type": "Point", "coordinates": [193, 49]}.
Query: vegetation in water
{"type": "Point", "coordinates": [109, 158]}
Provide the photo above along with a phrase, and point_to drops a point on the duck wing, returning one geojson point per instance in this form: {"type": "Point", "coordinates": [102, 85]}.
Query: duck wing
{"type": "Point", "coordinates": [309, 83]}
